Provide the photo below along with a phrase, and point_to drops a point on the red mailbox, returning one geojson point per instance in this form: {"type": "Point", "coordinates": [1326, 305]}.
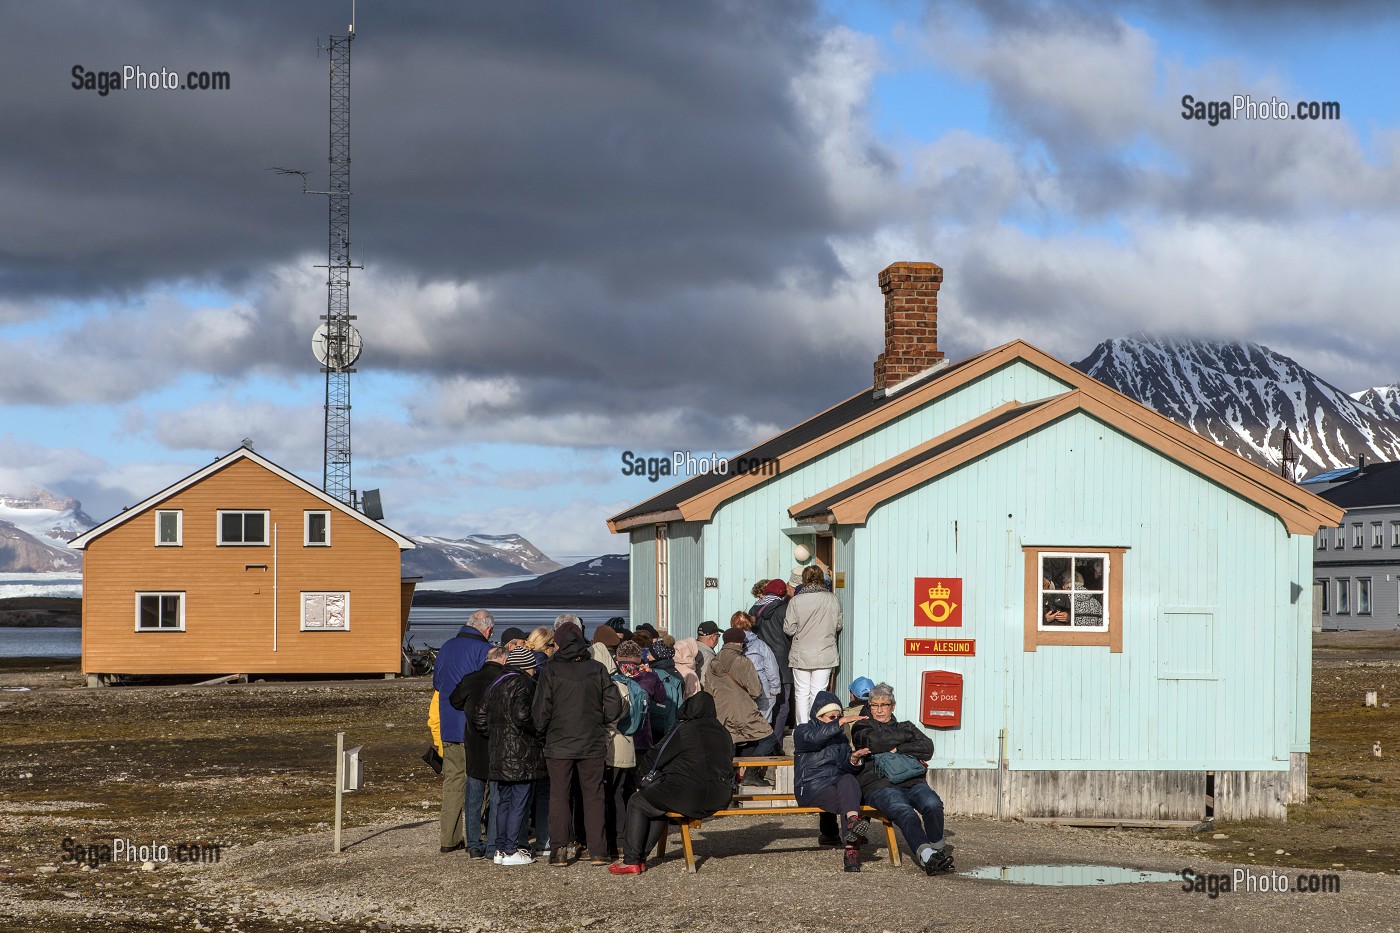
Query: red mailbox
{"type": "Point", "coordinates": [942, 701]}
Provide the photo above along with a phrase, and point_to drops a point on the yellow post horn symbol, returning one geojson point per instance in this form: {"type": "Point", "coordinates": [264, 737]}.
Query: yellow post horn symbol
{"type": "Point", "coordinates": [938, 607]}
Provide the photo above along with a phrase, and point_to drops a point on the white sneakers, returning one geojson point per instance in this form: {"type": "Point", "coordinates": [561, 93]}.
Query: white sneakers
{"type": "Point", "coordinates": [515, 858]}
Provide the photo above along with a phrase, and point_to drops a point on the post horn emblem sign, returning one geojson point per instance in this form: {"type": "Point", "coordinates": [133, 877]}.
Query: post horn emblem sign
{"type": "Point", "coordinates": [938, 601]}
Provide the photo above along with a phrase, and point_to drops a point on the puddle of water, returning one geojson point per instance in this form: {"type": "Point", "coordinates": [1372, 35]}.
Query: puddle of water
{"type": "Point", "coordinates": [1061, 875]}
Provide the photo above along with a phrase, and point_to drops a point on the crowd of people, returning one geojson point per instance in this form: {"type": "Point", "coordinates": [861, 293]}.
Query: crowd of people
{"type": "Point", "coordinates": [560, 747]}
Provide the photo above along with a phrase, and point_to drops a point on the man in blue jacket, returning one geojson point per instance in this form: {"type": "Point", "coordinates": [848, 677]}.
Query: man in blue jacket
{"type": "Point", "coordinates": [460, 656]}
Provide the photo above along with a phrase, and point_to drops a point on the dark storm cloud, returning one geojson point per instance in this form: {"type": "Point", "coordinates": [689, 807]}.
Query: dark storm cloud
{"type": "Point", "coordinates": [648, 144]}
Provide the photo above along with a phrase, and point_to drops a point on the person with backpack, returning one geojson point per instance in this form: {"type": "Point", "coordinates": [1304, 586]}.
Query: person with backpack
{"type": "Point", "coordinates": [665, 714]}
{"type": "Point", "coordinates": [734, 683]}
{"type": "Point", "coordinates": [505, 716]}
{"type": "Point", "coordinates": [687, 773]}
{"type": "Point", "coordinates": [620, 769]}
{"type": "Point", "coordinates": [574, 702]}
{"type": "Point", "coordinates": [631, 667]}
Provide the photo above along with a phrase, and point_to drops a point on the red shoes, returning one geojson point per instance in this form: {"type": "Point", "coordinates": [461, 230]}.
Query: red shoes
{"type": "Point", "coordinates": [622, 868]}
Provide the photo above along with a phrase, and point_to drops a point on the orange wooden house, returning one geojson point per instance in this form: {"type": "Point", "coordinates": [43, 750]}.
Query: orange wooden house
{"type": "Point", "coordinates": [242, 567]}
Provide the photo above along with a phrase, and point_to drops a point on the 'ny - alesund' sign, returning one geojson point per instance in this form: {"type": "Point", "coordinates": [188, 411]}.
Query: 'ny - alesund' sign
{"type": "Point", "coordinates": [955, 647]}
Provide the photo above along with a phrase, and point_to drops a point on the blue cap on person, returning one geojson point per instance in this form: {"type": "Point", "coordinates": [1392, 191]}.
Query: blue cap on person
{"type": "Point", "coordinates": [861, 687]}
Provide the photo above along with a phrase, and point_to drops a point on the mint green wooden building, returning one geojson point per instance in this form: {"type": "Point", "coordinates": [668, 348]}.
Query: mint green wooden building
{"type": "Point", "coordinates": [1167, 668]}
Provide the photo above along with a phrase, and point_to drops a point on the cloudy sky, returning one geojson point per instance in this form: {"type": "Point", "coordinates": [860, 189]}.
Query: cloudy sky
{"type": "Point", "coordinates": [608, 226]}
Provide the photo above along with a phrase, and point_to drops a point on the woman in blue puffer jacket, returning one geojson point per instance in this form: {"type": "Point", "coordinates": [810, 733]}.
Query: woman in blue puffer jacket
{"type": "Point", "coordinates": [824, 769]}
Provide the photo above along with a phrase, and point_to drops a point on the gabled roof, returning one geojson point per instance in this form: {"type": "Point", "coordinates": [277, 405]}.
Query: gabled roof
{"type": "Point", "coordinates": [222, 463]}
{"type": "Point", "coordinates": [824, 502]}
{"type": "Point", "coordinates": [697, 498]}
{"type": "Point", "coordinates": [1375, 484]}
{"type": "Point", "coordinates": [852, 501]}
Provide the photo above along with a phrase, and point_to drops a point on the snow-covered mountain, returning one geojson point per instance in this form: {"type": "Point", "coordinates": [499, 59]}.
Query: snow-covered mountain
{"type": "Point", "coordinates": [1245, 397]}
{"type": "Point", "coordinates": [45, 515]}
{"type": "Point", "coordinates": [474, 556]}
{"type": "Point", "coordinates": [1384, 400]}
{"type": "Point", "coordinates": [35, 530]}
{"type": "Point", "coordinates": [595, 583]}
{"type": "Point", "coordinates": [602, 576]}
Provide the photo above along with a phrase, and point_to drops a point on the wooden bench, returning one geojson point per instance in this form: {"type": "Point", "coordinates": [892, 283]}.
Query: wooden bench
{"type": "Point", "coordinates": [688, 825]}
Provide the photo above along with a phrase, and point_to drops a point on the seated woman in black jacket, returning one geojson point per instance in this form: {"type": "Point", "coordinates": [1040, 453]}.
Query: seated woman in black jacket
{"type": "Point", "coordinates": [823, 771]}
{"type": "Point", "coordinates": [694, 761]}
{"type": "Point", "coordinates": [908, 797]}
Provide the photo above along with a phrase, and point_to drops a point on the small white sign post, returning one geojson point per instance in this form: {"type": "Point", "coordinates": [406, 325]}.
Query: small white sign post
{"type": "Point", "coordinates": [349, 775]}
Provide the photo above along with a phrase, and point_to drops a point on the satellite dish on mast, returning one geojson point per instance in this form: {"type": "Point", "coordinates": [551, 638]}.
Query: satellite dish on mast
{"type": "Point", "coordinates": [336, 354]}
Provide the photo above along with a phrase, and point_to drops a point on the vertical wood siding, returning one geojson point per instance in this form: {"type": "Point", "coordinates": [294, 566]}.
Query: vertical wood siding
{"type": "Point", "coordinates": [743, 542]}
{"type": "Point", "coordinates": [687, 579]}
{"type": "Point", "coordinates": [1192, 546]}
{"type": "Point", "coordinates": [229, 605]}
{"type": "Point", "coordinates": [642, 574]}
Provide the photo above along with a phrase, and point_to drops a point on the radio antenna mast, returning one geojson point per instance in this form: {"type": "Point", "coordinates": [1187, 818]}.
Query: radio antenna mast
{"type": "Point", "coordinates": [337, 343]}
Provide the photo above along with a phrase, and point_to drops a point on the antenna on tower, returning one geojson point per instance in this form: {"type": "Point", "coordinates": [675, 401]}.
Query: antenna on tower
{"type": "Point", "coordinates": [336, 343]}
{"type": "Point", "coordinates": [1288, 463]}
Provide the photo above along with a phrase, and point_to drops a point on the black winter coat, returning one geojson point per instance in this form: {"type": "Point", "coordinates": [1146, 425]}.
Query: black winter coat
{"type": "Point", "coordinates": [466, 698]}
{"type": "Point", "coordinates": [882, 737]}
{"type": "Point", "coordinates": [821, 754]}
{"type": "Point", "coordinates": [504, 715]}
{"type": "Point", "coordinates": [768, 625]}
{"type": "Point", "coordinates": [574, 704]}
{"type": "Point", "coordinates": [695, 763]}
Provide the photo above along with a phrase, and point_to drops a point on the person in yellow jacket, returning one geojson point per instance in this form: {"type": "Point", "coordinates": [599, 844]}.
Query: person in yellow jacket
{"type": "Point", "coordinates": [436, 733]}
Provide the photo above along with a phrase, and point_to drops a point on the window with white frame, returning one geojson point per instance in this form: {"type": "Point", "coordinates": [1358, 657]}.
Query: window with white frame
{"type": "Point", "coordinates": [245, 529]}
{"type": "Point", "coordinates": [1326, 588]}
{"type": "Point", "coordinates": [169, 528]}
{"type": "Point", "coordinates": [663, 578]}
{"type": "Point", "coordinates": [318, 529]}
{"type": "Point", "coordinates": [325, 612]}
{"type": "Point", "coordinates": [1343, 596]}
{"type": "Point", "coordinates": [160, 612]}
{"type": "Point", "coordinates": [1376, 536]}
{"type": "Point", "coordinates": [1321, 539]}
{"type": "Point", "coordinates": [1073, 587]}
{"type": "Point", "coordinates": [1339, 536]}
{"type": "Point", "coordinates": [1356, 534]}
{"type": "Point", "coordinates": [1363, 596]}
{"type": "Point", "coordinates": [1395, 534]}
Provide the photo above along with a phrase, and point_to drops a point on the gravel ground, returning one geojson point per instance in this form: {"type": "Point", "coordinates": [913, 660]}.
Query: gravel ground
{"type": "Point", "coordinates": [755, 874]}
{"type": "Point", "coordinates": [246, 767]}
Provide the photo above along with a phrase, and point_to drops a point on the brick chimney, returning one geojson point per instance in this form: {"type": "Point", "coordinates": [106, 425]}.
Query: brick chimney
{"type": "Point", "coordinates": [911, 322]}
